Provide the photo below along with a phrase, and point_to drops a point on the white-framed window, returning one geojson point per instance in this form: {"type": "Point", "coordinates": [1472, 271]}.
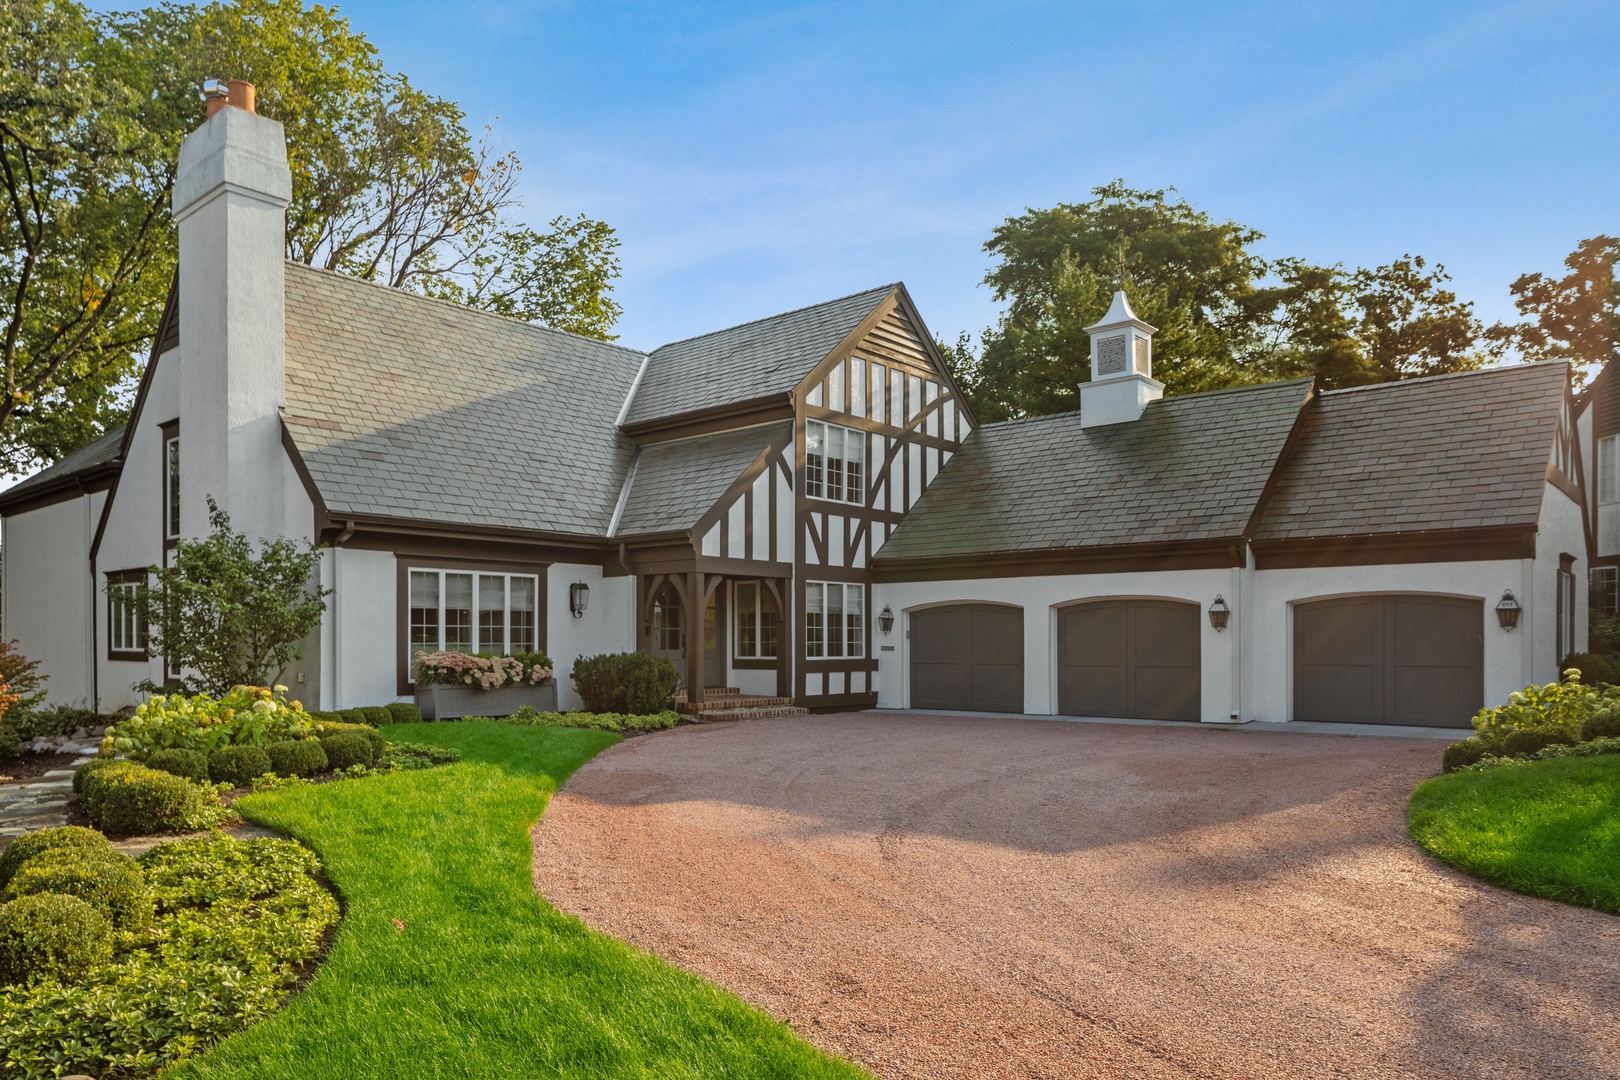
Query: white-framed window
{"type": "Point", "coordinates": [1609, 469]}
{"type": "Point", "coordinates": [126, 634]}
{"type": "Point", "coordinates": [834, 463]}
{"type": "Point", "coordinates": [1566, 606]}
{"type": "Point", "coordinates": [834, 619]}
{"type": "Point", "coordinates": [171, 487]}
{"type": "Point", "coordinates": [1603, 589]}
{"type": "Point", "coordinates": [473, 611]}
{"type": "Point", "coordinates": [757, 621]}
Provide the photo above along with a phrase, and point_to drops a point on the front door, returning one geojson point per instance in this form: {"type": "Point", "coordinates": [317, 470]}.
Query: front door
{"type": "Point", "coordinates": [669, 628]}
{"type": "Point", "coordinates": [714, 640]}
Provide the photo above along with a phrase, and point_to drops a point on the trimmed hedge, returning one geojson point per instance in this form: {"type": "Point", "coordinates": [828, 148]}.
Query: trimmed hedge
{"type": "Point", "coordinates": [303, 757]}
{"type": "Point", "coordinates": [81, 774]}
{"type": "Point", "coordinates": [50, 935]}
{"type": "Point", "coordinates": [634, 683]}
{"type": "Point", "coordinates": [348, 748]}
{"type": "Point", "coordinates": [107, 880]}
{"type": "Point", "coordinates": [1460, 755]}
{"type": "Point", "coordinates": [28, 845]}
{"type": "Point", "coordinates": [237, 766]}
{"type": "Point", "coordinates": [191, 764]}
{"type": "Point", "coordinates": [1595, 670]}
{"type": "Point", "coordinates": [365, 731]}
{"type": "Point", "coordinates": [1527, 741]}
{"type": "Point", "coordinates": [1604, 725]}
{"type": "Point", "coordinates": [353, 716]}
{"type": "Point", "coordinates": [131, 800]}
{"type": "Point", "coordinates": [377, 716]}
{"type": "Point", "coordinates": [403, 712]}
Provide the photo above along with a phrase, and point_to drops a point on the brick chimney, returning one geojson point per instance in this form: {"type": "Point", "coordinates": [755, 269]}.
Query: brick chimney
{"type": "Point", "coordinates": [1121, 368]}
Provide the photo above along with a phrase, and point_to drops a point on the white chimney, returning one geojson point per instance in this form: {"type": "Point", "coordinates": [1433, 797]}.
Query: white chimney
{"type": "Point", "coordinates": [230, 201]}
{"type": "Point", "coordinates": [1121, 368]}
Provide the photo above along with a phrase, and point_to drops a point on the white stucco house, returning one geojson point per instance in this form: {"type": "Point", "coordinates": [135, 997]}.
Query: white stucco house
{"type": "Point", "coordinates": [802, 511]}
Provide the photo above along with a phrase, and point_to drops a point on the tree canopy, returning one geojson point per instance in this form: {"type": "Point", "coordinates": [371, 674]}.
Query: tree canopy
{"type": "Point", "coordinates": [388, 185]}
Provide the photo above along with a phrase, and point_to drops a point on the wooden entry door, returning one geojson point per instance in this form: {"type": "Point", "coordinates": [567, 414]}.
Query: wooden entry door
{"type": "Point", "coordinates": [1136, 659]}
{"type": "Point", "coordinates": [968, 657]}
{"type": "Point", "coordinates": [1390, 659]}
{"type": "Point", "coordinates": [714, 639]}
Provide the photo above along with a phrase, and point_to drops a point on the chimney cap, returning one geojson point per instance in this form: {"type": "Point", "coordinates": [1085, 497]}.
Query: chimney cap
{"type": "Point", "coordinates": [1120, 313]}
{"type": "Point", "coordinates": [218, 93]}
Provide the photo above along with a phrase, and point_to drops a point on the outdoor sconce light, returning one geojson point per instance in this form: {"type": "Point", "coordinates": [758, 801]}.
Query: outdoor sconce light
{"type": "Point", "coordinates": [1219, 613]}
{"type": "Point", "coordinates": [1507, 610]}
{"type": "Point", "coordinates": [579, 596]}
{"type": "Point", "coordinates": [886, 619]}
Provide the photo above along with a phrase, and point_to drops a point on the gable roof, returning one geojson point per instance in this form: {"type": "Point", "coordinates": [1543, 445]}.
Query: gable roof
{"type": "Point", "coordinates": [675, 483]}
{"type": "Point", "coordinates": [758, 359]}
{"type": "Point", "coordinates": [88, 467]}
{"type": "Point", "coordinates": [1192, 468]}
{"type": "Point", "coordinates": [1469, 450]}
{"type": "Point", "coordinates": [406, 407]}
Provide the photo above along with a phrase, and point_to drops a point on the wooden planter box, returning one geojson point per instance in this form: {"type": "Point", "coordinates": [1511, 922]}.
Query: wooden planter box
{"type": "Point", "coordinates": [455, 702]}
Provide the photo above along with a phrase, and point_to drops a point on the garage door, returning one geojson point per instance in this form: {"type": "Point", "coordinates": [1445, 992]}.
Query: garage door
{"type": "Point", "coordinates": [1131, 658]}
{"type": "Point", "coordinates": [1390, 660]}
{"type": "Point", "coordinates": [968, 656]}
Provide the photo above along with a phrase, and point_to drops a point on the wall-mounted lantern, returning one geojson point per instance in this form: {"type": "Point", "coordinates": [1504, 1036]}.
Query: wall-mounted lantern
{"type": "Point", "coordinates": [886, 619]}
{"type": "Point", "coordinates": [579, 597]}
{"type": "Point", "coordinates": [1507, 610]}
{"type": "Point", "coordinates": [1219, 613]}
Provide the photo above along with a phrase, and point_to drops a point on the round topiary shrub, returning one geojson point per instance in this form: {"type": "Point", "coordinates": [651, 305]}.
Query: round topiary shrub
{"type": "Point", "coordinates": [346, 748]}
{"type": "Point", "coordinates": [107, 880]}
{"type": "Point", "coordinates": [96, 783]}
{"type": "Point", "coordinates": [403, 712]}
{"type": "Point", "coordinates": [49, 935]}
{"type": "Point", "coordinates": [1603, 725]}
{"type": "Point", "coordinates": [83, 771]}
{"type": "Point", "coordinates": [141, 801]}
{"type": "Point", "coordinates": [353, 716]}
{"type": "Point", "coordinates": [301, 757]}
{"type": "Point", "coordinates": [1595, 670]}
{"type": "Point", "coordinates": [377, 715]}
{"type": "Point", "coordinates": [237, 765]}
{"type": "Point", "coordinates": [191, 764]}
{"type": "Point", "coordinates": [1527, 741]}
{"type": "Point", "coordinates": [28, 845]}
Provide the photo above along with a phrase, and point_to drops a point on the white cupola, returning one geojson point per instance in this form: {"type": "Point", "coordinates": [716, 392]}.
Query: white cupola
{"type": "Point", "coordinates": [1121, 367]}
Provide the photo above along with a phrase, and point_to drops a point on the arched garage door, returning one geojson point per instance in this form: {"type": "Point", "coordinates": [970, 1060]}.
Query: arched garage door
{"type": "Point", "coordinates": [968, 656]}
{"type": "Point", "coordinates": [1129, 658]}
{"type": "Point", "coordinates": [1390, 659]}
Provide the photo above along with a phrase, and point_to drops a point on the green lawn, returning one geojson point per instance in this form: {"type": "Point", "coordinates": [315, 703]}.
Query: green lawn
{"type": "Point", "coordinates": [487, 979]}
{"type": "Point", "coordinates": [1547, 828]}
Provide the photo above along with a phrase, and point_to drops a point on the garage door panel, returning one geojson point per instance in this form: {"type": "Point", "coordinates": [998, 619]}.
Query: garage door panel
{"type": "Point", "coordinates": [1339, 692]}
{"type": "Point", "coordinates": [1166, 693]}
{"type": "Point", "coordinates": [1137, 659]}
{"type": "Point", "coordinates": [1093, 690]}
{"type": "Point", "coordinates": [968, 656]}
{"type": "Point", "coordinates": [1435, 696]}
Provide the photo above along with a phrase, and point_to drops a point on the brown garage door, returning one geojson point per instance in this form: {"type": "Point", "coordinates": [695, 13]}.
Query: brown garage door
{"type": "Point", "coordinates": [1131, 658]}
{"type": "Point", "coordinates": [1389, 660]}
{"type": "Point", "coordinates": [968, 656]}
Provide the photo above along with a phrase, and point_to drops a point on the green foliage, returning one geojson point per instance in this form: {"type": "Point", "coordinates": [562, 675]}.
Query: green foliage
{"type": "Point", "coordinates": [1608, 744]}
{"type": "Point", "coordinates": [1460, 755]}
{"type": "Point", "coordinates": [404, 755]}
{"type": "Point", "coordinates": [1601, 725]}
{"type": "Point", "coordinates": [51, 936]}
{"type": "Point", "coordinates": [635, 683]}
{"type": "Point", "coordinates": [1560, 706]}
{"type": "Point", "coordinates": [344, 749]}
{"type": "Point", "coordinates": [271, 782]}
{"type": "Point", "coordinates": [354, 716]}
{"type": "Point", "coordinates": [107, 880]}
{"type": "Point", "coordinates": [303, 757]}
{"type": "Point", "coordinates": [621, 722]}
{"type": "Point", "coordinates": [366, 731]}
{"type": "Point", "coordinates": [236, 922]}
{"type": "Point", "coordinates": [403, 712]}
{"type": "Point", "coordinates": [232, 616]}
{"type": "Point", "coordinates": [81, 775]}
{"type": "Point", "coordinates": [237, 765]}
{"type": "Point", "coordinates": [191, 764]}
{"type": "Point", "coordinates": [376, 716]}
{"type": "Point", "coordinates": [248, 715]}
{"type": "Point", "coordinates": [28, 845]}
{"type": "Point", "coordinates": [1574, 318]}
{"type": "Point", "coordinates": [1527, 741]}
{"type": "Point", "coordinates": [21, 676]}
{"type": "Point", "coordinates": [131, 800]}
{"type": "Point", "coordinates": [1594, 670]}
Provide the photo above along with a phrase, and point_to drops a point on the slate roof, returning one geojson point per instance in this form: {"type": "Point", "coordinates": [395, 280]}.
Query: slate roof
{"type": "Point", "coordinates": [676, 482]}
{"type": "Point", "coordinates": [407, 407]}
{"type": "Point", "coordinates": [1449, 452]}
{"type": "Point", "coordinates": [757, 359]}
{"type": "Point", "coordinates": [1192, 468]}
{"type": "Point", "coordinates": [83, 460]}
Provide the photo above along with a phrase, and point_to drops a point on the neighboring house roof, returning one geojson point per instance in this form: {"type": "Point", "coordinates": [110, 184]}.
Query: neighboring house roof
{"type": "Point", "coordinates": [675, 483]}
{"type": "Point", "coordinates": [407, 407]}
{"type": "Point", "coordinates": [1449, 452]}
{"type": "Point", "coordinates": [1192, 468]}
{"type": "Point", "coordinates": [88, 467]}
{"type": "Point", "coordinates": [759, 359]}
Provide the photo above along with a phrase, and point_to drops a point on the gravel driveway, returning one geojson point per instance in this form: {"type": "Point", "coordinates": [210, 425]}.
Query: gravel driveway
{"type": "Point", "coordinates": [940, 896]}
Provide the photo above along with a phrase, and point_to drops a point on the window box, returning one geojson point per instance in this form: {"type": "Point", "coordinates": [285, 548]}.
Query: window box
{"type": "Point", "coordinates": [449, 702]}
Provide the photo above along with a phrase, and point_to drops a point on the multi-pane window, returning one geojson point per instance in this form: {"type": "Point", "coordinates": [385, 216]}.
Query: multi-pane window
{"type": "Point", "coordinates": [756, 621]}
{"type": "Point", "coordinates": [668, 629]}
{"type": "Point", "coordinates": [171, 488]}
{"type": "Point", "coordinates": [126, 633]}
{"type": "Point", "coordinates": [1603, 590]}
{"type": "Point", "coordinates": [473, 612]}
{"type": "Point", "coordinates": [834, 619]}
{"type": "Point", "coordinates": [834, 463]}
{"type": "Point", "coordinates": [1609, 469]}
{"type": "Point", "coordinates": [1566, 611]}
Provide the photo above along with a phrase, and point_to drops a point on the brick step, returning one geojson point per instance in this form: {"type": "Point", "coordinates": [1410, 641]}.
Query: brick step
{"type": "Point", "coordinates": [731, 701]}
{"type": "Point", "coordinates": [710, 691]}
{"type": "Point", "coordinates": [764, 712]}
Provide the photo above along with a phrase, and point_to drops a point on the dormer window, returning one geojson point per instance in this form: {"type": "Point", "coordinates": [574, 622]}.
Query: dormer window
{"type": "Point", "coordinates": [834, 463]}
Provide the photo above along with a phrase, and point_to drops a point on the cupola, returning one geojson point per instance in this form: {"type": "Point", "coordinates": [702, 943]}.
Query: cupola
{"type": "Point", "coordinates": [1121, 367]}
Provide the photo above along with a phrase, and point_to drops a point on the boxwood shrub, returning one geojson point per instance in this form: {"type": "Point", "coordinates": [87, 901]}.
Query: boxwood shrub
{"type": "Point", "coordinates": [191, 764]}
{"type": "Point", "coordinates": [302, 757]}
{"type": "Point", "coordinates": [237, 765]}
{"type": "Point", "coordinates": [635, 683]}
{"type": "Point", "coordinates": [377, 716]}
{"type": "Point", "coordinates": [353, 716]}
{"type": "Point", "coordinates": [107, 880]}
{"type": "Point", "coordinates": [365, 731]}
{"type": "Point", "coordinates": [83, 771]}
{"type": "Point", "coordinates": [132, 800]}
{"type": "Point", "coordinates": [347, 748]}
{"type": "Point", "coordinates": [48, 935]}
{"type": "Point", "coordinates": [1527, 741]}
{"type": "Point", "coordinates": [1460, 755]}
{"type": "Point", "coordinates": [403, 712]}
{"type": "Point", "coordinates": [28, 845]}
{"type": "Point", "coordinates": [1603, 725]}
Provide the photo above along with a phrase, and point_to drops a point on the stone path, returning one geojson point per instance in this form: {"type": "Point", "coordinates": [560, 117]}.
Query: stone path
{"type": "Point", "coordinates": [36, 803]}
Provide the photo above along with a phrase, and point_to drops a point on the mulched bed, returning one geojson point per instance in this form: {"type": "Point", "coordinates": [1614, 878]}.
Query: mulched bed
{"type": "Point", "coordinates": [28, 765]}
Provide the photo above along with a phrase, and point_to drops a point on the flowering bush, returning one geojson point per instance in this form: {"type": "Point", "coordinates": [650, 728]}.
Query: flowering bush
{"type": "Point", "coordinates": [481, 670]}
{"type": "Point", "coordinates": [247, 716]}
{"type": "Point", "coordinates": [1562, 707]}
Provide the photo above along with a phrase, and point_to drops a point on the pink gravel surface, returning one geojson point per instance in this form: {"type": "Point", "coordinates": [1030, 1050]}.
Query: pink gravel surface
{"type": "Point", "coordinates": [938, 896]}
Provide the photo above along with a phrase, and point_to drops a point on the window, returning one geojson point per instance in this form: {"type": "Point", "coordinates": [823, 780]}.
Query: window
{"type": "Point", "coordinates": [756, 621]}
{"type": "Point", "coordinates": [1566, 606]}
{"type": "Point", "coordinates": [126, 633]}
{"type": "Point", "coordinates": [1603, 590]}
{"type": "Point", "coordinates": [834, 619]}
{"type": "Point", "coordinates": [171, 488]}
{"type": "Point", "coordinates": [466, 611]}
{"type": "Point", "coordinates": [668, 629]}
{"type": "Point", "coordinates": [834, 463]}
{"type": "Point", "coordinates": [1609, 469]}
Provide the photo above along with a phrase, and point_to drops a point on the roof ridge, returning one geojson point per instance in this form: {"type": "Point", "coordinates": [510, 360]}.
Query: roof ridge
{"type": "Point", "coordinates": [780, 314]}
{"type": "Point", "coordinates": [1499, 369]}
{"type": "Point", "coordinates": [1156, 401]}
{"type": "Point", "coordinates": [477, 312]}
